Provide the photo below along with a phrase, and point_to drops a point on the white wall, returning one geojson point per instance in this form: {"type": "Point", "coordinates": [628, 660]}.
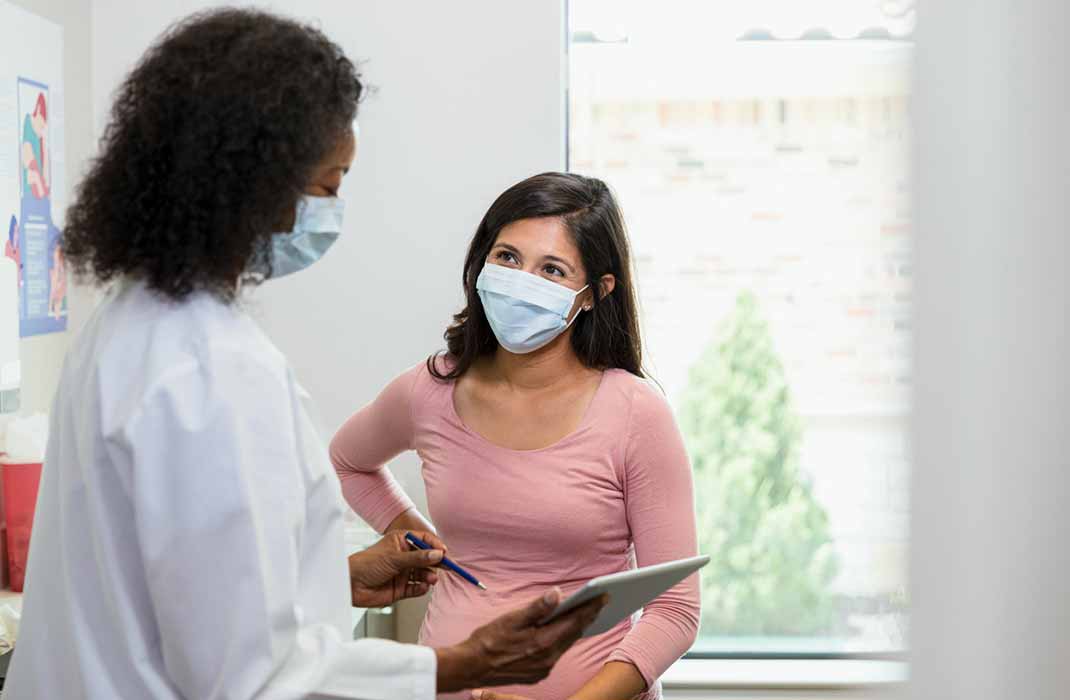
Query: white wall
{"type": "Point", "coordinates": [468, 100]}
{"type": "Point", "coordinates": [42, 356]}
{"type": "Point", "coordinates": [990, 559]}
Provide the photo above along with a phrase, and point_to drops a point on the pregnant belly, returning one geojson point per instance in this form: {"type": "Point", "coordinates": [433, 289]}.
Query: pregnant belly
{"type": "Point", "coordinates": [454, 614]}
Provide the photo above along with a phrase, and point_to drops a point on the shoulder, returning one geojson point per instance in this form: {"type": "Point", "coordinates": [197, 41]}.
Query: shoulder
{"type": "Point", "coordinates": [140, 340]}
{"type": "Point", "coordinates": [417, 385]}
{"type": "Point", "coordinates": [427, 376]}
{"type": "Point", "coordinates": [641, 414]}
{"type": "Point", "coordinates": [214, 332]}
{"type": "Point", "coordinates": [641, 396]}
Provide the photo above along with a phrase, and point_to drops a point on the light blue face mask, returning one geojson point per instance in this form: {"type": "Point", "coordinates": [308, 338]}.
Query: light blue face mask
{"type": "Point", "coordinates": [317, 225]}
{"type": "Point", "coordinates": [525, 311]}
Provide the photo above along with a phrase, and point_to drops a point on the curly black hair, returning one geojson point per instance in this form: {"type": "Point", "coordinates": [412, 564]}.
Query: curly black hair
{"type": "Point", "coordinates": [212, 138]}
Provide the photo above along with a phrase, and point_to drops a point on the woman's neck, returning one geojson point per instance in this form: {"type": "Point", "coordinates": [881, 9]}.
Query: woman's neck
{"type": "Point", "coordinates": [543, 369]}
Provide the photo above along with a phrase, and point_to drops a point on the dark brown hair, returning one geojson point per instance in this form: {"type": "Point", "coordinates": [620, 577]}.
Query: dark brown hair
{"type": "Point", "coordinates": [213, 137]}
{"type": "Point", "coordinates": [608, 336]}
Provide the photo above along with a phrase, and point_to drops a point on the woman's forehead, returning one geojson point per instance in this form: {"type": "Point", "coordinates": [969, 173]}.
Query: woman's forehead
{"type": "Point", "coordinates": [341, 157]}
{"type": "Point", "coordinates": [542, 236]}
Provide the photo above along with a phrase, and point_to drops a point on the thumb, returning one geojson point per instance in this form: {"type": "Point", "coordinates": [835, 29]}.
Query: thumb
{"type": "Point", "coordinates": [539, 608]}
{"type": "Point", "coordinates": [418, 559]}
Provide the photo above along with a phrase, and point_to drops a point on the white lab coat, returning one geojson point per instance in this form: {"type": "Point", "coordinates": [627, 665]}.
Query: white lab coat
{"type": "Point", "coordinates": [188, 540]}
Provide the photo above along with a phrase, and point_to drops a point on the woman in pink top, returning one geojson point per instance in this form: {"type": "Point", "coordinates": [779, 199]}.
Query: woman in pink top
{"type": "Point", "coordinates": [548, 458]}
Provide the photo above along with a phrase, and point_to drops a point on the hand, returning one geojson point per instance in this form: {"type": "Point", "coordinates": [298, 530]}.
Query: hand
{"type": "Point", "coordinates": [514, 649]}
{"type": "Point", "coordinates": [491, 695]}
{"type": "Point", "coordinates": [391, 570]}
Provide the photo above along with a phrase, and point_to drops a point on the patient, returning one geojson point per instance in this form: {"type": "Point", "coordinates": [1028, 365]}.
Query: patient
{"type": "Point", "coordinates": [548, 458]}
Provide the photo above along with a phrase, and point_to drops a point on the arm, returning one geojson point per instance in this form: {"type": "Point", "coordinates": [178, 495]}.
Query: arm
{"type": "Point", "coordinates": [616, 680]}
{"type": "Point", "coordinates": [219, 501]}
{"type": "Point", "coordinates": [410, 521]}
{"type": "Point", "coordinates": [365, 443]}
{"type": "Point", "coordinates": [659, 499]}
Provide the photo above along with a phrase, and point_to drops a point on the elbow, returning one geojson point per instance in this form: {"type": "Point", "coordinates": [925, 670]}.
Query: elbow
{"type": "Point", "coordinates": [338, 459]}
{"type": "Point", "coordinates": [679, 620]}
{"type": "Point", "coordinates": [689, 616]}
{"type": "Point", "coordinates": [690, 627]}
{"type": "Point", "coordinates": [685, 617]}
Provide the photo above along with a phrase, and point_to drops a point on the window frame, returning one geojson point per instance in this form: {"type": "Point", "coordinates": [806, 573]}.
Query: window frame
{"type": "Point", "coordinates": [824, 668]}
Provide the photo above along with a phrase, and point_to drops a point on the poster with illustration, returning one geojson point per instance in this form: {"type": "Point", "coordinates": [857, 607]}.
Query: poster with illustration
{"type": "Point", "coordinates": [32, 193]}
{"type": "Point", "coordinates": [43, 293]}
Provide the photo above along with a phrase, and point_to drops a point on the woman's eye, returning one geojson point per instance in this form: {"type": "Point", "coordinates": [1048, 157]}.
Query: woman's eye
{"type": "Point", "coordinates": [553, 270]}
{"type": "Point", "coordinates": [506, 256]}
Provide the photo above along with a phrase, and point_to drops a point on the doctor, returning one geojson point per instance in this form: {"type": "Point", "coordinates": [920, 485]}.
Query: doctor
{"type": "Point", "coordinates": [188, 535]}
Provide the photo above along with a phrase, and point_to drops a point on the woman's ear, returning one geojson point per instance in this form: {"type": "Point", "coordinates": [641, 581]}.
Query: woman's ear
{"type": "Point", "coordinates": [606, 285]}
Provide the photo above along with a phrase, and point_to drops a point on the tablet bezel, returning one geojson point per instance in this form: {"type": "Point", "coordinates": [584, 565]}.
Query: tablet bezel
{"type": "Point", "coordinates": [603, 584]}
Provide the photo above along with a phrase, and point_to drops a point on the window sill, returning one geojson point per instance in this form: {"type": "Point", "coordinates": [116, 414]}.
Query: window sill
{"type": "Point", "coordinates": [786, 674]}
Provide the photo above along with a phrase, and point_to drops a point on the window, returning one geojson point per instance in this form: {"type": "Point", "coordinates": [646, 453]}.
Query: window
{"type": "Point", "coordinates": [760, 153]}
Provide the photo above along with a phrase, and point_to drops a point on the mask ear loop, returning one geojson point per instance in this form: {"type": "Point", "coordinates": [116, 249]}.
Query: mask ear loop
{"type": "Point", "coordinates": [579, 310]}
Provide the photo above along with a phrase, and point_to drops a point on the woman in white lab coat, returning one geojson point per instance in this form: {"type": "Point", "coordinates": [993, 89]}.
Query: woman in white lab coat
{"type": "Point", "coordinates": [188, 535]}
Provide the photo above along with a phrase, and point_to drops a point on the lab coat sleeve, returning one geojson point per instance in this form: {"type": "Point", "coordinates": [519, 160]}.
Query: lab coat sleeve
{"type": "Point", "coordinates": [219, 502]}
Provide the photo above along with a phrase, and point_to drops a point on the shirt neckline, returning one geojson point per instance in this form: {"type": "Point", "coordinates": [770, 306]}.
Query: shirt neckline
{"type": "Point", "coordinates": [580, 427]}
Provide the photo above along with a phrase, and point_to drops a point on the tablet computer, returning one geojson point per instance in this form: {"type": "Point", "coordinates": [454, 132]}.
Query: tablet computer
{"type": "Point", "coordinates": [628, 591]}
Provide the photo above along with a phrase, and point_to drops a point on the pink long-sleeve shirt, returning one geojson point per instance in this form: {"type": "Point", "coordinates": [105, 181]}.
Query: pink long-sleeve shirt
{"type": "Point", "coordinates": [615, 493]}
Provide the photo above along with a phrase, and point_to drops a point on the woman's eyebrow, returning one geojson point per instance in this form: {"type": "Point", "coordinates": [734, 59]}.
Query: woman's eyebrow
{"type": "Point", "coordinates": [560, 261]}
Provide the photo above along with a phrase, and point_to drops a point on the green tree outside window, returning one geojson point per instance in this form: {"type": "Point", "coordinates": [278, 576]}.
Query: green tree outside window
{"type": "Point", "coordinates": [773, 557]}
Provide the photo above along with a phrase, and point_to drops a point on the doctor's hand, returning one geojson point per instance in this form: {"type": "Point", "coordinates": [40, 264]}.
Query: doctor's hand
{"type": "Point", "coordinates": [390, 570]}
{"type": "Point", "coordinates": [514, 649]}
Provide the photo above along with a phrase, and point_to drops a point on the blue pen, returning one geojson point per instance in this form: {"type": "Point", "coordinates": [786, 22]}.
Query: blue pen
{"type": "Point", "coordinates": [420, 544]}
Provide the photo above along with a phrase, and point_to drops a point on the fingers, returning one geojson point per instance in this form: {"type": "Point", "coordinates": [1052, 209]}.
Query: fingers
{"type": "Point", "coordinates": [538, 609]}
{"type": "Point", "coordinates": [561, 634]}
{"type": "Point", "coordinates": [491, 695]}
{"type": "Point", "coordinates": [588, 612]}
{"type": "Point", "coordinates": [432, 539]}
{"type": "Point", "coordinates": [578, 619]}
{"type": "Point", "coordinates": [429, 576]}
{"type": "Point", "coordinates": [415, 559]}
{"type": "Point", "coordinates": [418, 582]}
{"type": "Point", "coordinates": [415, 589]}
{"type": "Point", "coordinates": [582, 619]}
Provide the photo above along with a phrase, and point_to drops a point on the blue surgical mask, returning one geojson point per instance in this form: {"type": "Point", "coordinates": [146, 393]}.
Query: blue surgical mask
{"type": "Point", "coordinates": [525, 311]}
{"type": "Point", "coordinates": [317, 225]}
